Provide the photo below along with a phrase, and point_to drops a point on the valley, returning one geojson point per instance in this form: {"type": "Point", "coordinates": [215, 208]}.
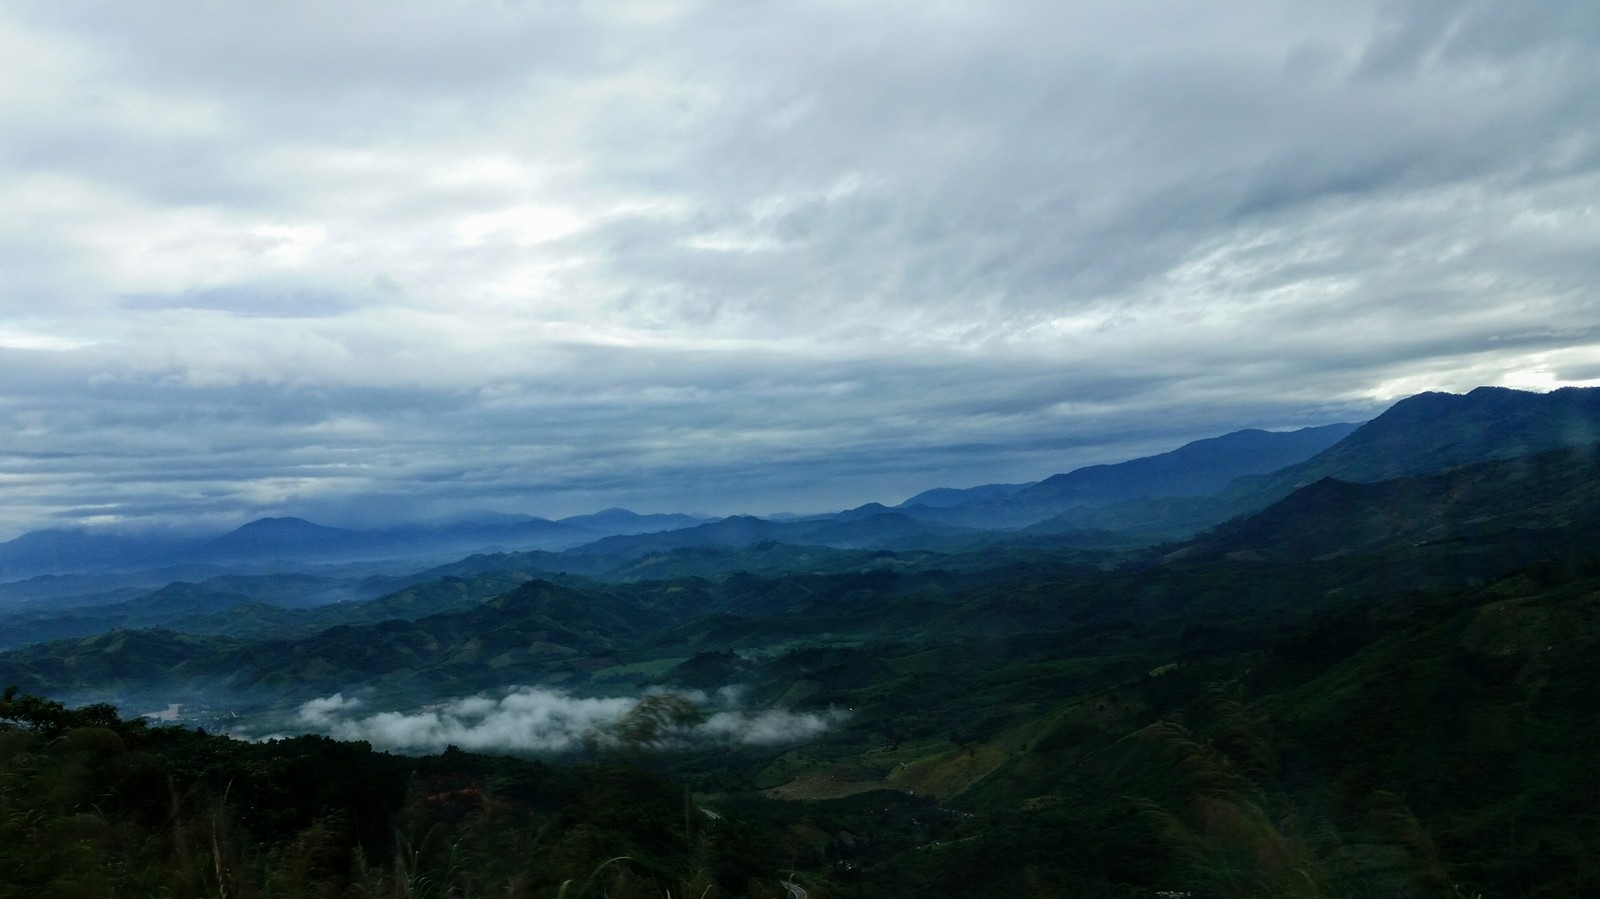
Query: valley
{"type": "Point", "coordinates": [1374, 677]}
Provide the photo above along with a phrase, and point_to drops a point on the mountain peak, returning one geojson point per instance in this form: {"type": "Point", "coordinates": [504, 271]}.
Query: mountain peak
{"type": "Point", "coordinates": [284, 524]}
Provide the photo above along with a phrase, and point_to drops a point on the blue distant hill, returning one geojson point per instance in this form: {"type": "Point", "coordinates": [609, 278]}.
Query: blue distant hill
{"type": "Point", "coordinates": [1199, 468]}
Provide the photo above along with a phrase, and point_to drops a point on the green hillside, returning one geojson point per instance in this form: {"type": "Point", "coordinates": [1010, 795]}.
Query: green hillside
{"type": "Point", "coordinates": [1379, 688]}
{"type": "Point", "coordinates": [1430, 432]}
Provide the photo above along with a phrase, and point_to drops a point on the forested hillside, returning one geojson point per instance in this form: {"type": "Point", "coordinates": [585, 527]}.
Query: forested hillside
{"type": "Point", "coordinates": [1374, 688]}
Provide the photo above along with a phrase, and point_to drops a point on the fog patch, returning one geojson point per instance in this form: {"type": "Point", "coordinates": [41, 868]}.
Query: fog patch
{"type": "Point", "coordinates": [321, 711]}
{"type": "Point", "coordinates": [538, 719]}
{"type": "Point", "coordinates": [767, 727]}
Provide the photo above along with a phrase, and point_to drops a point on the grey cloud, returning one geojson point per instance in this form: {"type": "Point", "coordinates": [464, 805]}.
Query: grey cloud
{"type": "Point", "coordinates": [166, 169]}
{"type": "Point", "coordinates": [317, 51]}
{"type": "Point", "coordinates": [254, 300]}
{"type": "Point", "coordinates": [1411, 33]}
{"type": "Point", "coordinates": [816, 254]}
{"type": "Point", "coordinates": [755, 432]}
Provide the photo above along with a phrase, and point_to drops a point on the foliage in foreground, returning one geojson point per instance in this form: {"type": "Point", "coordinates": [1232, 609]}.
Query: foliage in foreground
{"type": "Point", "coordinates": [93, 806]}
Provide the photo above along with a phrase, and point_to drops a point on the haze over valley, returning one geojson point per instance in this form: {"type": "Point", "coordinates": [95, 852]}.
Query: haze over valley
{"type": "Point", "coordinates": [1428, 573]}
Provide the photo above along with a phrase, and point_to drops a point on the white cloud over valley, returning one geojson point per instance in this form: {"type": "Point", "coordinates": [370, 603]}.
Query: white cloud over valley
{"type": "Point", "coordinates": [536, 719]}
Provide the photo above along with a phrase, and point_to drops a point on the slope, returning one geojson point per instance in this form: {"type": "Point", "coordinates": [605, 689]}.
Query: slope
{"type": "Point", "coordinates": [1429, 432]}
{"type": "Point", "coordinates": [1555, 493]}
{"type": "Point", "coordinates": [1197, 468]}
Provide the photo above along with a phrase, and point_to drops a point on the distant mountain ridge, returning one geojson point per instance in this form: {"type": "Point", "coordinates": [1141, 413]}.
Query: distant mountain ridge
{"type": "Point", "coordinates": [1166, 496]}
{"type": "Point", "coordinates": [1436, 431]}
{"type": "Point", "coordinates": [1194, 469]}
{"type": "Point", "coordinates": [1330, 517]}
{"type": "Point", "coordinates": [1197, 468]}
{"type": "Point", "coordinates": [622, 521]}
{"type": "Point", "coordinates": [1428, 432]}
{"type": "Point", "coordinates": [949, 497]}
{"type": "Point", "coordinates": [64, 551]}
{"type": "Point", "coordinates": [450, 636]}
{"type": "Point", "coordinates": [280, 541]}
{"type": "Point", "coordinates": [869, 527]}
{"type": "Point", "coordinates": [283, 537]}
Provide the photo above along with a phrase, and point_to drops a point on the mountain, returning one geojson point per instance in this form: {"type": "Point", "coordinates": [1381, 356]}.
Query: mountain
{"type": "Point", "coordinates": [536, 631]}
{"type": "Point", "coordinates": [284, 538]}
{"type": "Point", "coordinates": [613, 522]}
{"type": "Point", "coordinates": [1524, 498]}
{"type": "Point", "coordinates": [171, 603]}
{"type": "Point", "coordinates": [278, 544]}
{"type": "Point", "coordinates": [48, 591]}
{"type": "Point", "coordinates": [294, 539]}
{"type": "Point", "coordinates": [868, 527]}
{"type": "Point", "coordinates": [1429, 432]}
{"type": "Point", "coordinates": [1195, 469]}
{"type": "Point", "coordinates": [1436, 431]}
{"type": "Point", "coordinates": [949, 497]}
{"type": "Point", "coordinates": [735, 530]}
{"type": "Point", "coordinates": [260, 606]}
{"type": "Point", "coordinates": [66, 551]}
{"type": "Point", "coordinates": [859, 513]}
{"type": "Point", "coordinates": [1373, 686]}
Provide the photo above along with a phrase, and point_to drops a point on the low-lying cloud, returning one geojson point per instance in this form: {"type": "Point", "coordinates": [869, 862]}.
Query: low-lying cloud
{"type": "Point", "coordinates": [536, 719]}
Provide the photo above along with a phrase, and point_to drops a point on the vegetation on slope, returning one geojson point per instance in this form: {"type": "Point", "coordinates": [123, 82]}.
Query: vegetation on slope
{"type": "Point", "coordinates": [1377, 689]}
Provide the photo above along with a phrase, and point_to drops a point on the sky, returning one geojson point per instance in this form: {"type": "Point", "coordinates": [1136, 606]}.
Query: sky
{"type": "Point", "coordinates": [370, 261]}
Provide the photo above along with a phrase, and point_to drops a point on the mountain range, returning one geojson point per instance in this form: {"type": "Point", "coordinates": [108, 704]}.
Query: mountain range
{"type": "Point", "coordinates": [940, 518]}
{"type": "Point", "coordinates": [1325, 505]}
{"type": "Point", "coordinates": [289, 543]}
{"type": "Point", "coordinates": [1369, 672]}
{"type": "Point", "coordinates": [1194, 469]}
{"type": "Point", "coordinates": [1167, 496]}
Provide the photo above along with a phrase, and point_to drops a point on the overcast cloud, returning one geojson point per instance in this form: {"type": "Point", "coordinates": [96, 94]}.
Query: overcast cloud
{"type": "Point", "coordinates": [373, 259]}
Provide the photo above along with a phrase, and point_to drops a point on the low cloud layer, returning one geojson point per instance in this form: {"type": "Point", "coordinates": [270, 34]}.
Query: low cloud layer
{"type": "Point", "coordinates": [535, 719]}
{"type": "Point", "coordinates": [372, 259]}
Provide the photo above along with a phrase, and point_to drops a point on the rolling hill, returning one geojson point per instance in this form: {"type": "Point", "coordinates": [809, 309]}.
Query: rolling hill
{"type": "Point", "coordinates": [1377, 681]}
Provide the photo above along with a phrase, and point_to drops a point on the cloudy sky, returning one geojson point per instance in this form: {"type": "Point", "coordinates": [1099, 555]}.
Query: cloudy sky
{"type": "Point", "coordinates": [365, 260]}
